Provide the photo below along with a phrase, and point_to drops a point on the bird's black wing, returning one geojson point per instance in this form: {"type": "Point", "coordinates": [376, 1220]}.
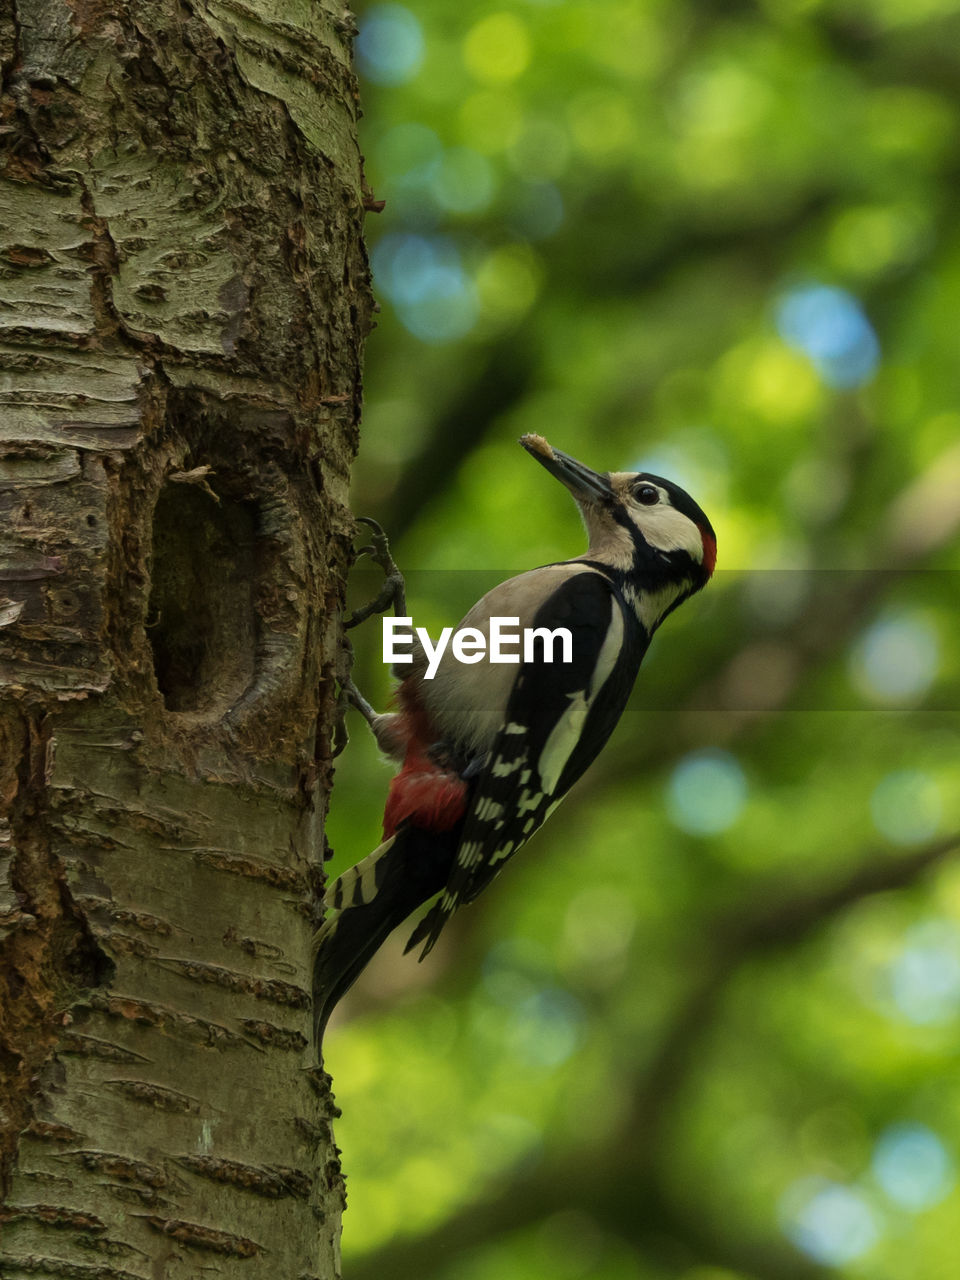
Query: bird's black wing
{"type": "Point", "coordinates": [558, 717]}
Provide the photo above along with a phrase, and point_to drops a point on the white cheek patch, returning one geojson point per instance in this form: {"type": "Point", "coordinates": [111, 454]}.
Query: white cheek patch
{"type": "Point", "coordinates": [667, 529]}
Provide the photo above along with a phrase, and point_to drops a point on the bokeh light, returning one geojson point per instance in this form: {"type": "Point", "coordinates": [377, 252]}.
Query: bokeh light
{"type": "Point", "coordinates": [425, 279]}
{"type": "Point", "coordinates": [507, 282]}
{"type": "Point", "coordinates": [706, 792]}
{"type": "Point", "coordinates": [924, 977]}
{"type": "Point", "coordinates": [496, 50]}
{"type": "Point", "coordinates": [545, 1028]}
{"type": "Point", "coordinates": [390, 45]}
{"type": "Point", "coordinates": [464, 181]}
{"type": "Point", "coordinates": [913, 1167]}
{"type": "Point", "coordinates": [830, 326]}
{"type": "Point", "coordinates": [906, 806]}
{"type": "Point", "coordinates": [870, 239]}
{"type": "Point", "coordinates": [896, 660]}
{"type": "Point", "coordinates": [831, 1223]}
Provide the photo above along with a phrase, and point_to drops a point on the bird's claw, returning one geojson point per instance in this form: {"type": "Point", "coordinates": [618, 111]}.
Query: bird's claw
{"type": "Point", "coordinates": [393, 591]}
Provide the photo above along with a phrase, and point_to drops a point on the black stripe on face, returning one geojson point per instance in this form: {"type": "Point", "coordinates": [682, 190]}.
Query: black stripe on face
{"type": "Point", "coordinates": [642, 551]}
{"type": "Point", "coordinates": [654, 563]}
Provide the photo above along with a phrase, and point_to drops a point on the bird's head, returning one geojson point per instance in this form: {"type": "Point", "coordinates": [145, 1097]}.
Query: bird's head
{"type": "Point", "coordinates": [640, 525]}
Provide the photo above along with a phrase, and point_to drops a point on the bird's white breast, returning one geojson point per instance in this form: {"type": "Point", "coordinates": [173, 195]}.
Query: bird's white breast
{"type": "Point", "coordinates": [467, 703]}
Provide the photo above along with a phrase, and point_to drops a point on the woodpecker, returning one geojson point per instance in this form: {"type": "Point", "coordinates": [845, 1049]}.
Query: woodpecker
{"type": "Point", "coordinates": [488, 750]}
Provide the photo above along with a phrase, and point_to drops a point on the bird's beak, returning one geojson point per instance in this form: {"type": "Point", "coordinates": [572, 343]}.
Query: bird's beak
{"type": "Point", "coordinates": [584, 484]}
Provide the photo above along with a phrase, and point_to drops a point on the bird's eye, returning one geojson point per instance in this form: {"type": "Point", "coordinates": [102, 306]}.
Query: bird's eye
{"type": "Point", "coordinates": [647, 494]}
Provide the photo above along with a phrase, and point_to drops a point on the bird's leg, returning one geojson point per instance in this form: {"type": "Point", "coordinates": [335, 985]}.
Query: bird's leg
{"type": "Point", "coordinates": [354, 698]}
{"type": "Point", "coordinates": [392, 593]}
{"type": "Point", "coordinates": [383, 726]}
{"type": "Point", "coordinates": [345, 689]}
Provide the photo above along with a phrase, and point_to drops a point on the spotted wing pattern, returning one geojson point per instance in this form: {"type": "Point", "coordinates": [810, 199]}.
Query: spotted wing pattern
{"type": "Point", "coordinates": [535, 757]}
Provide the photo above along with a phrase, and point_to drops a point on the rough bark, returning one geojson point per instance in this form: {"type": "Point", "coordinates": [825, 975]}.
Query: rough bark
{"type": "Point", "coordinates": [183, 299]}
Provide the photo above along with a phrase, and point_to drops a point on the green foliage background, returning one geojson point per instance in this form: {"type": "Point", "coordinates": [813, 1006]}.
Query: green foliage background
{"type": "Point", "coordinates": [706, 1025]}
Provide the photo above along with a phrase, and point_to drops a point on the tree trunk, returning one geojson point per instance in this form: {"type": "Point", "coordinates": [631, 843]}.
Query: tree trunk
{"type": "Point", "coordinates": [183, 299]}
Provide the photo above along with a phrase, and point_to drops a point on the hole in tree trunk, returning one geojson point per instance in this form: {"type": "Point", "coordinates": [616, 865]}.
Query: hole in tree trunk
{"type": "Point", "coordinates": [201, 619]}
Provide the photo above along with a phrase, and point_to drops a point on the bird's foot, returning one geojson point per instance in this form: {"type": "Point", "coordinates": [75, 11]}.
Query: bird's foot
{"type": "Point", "coordinates": [393, 591]}
{"type": "Point", "coordinates": [392, 594]}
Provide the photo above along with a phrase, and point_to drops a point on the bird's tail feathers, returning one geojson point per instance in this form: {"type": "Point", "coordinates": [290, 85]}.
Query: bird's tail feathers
{"type": "Point", "coordinates": [359, 884]}
{"type": "Point", "coordinates": [431, 926]}
{"type": "Point", "coordinates": [370, 901]}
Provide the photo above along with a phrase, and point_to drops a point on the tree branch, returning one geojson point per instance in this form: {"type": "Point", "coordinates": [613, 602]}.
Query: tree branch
{"type": "Point", "coordinates": [624, 1188]}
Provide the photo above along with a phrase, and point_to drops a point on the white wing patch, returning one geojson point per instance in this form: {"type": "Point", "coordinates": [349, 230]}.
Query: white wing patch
{"type": "Point", "coordinates": [487, 809]}
{"type": "Point", "coordinates": [566, 733]}
{"type": "Point", "coordinates": [504, 768]}
{"type": "Point", "coordinates": [503, 852]}
{"type": "Point", "coordinates": [469, 854]}
{"type": "Point", "coordinates": [529, 802]}
{"type": "Point", "coordinates": [563, 738]}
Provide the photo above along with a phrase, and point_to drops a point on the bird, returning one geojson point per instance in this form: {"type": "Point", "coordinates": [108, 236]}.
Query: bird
{"type": "Point", "coordinates": [487, 750]}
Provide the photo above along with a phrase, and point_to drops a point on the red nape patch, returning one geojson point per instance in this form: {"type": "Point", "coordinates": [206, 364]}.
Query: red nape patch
{"type": "Point", "coordinates": [709, 551]}
{"type": "Point", "coordinates": [428, 797]}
